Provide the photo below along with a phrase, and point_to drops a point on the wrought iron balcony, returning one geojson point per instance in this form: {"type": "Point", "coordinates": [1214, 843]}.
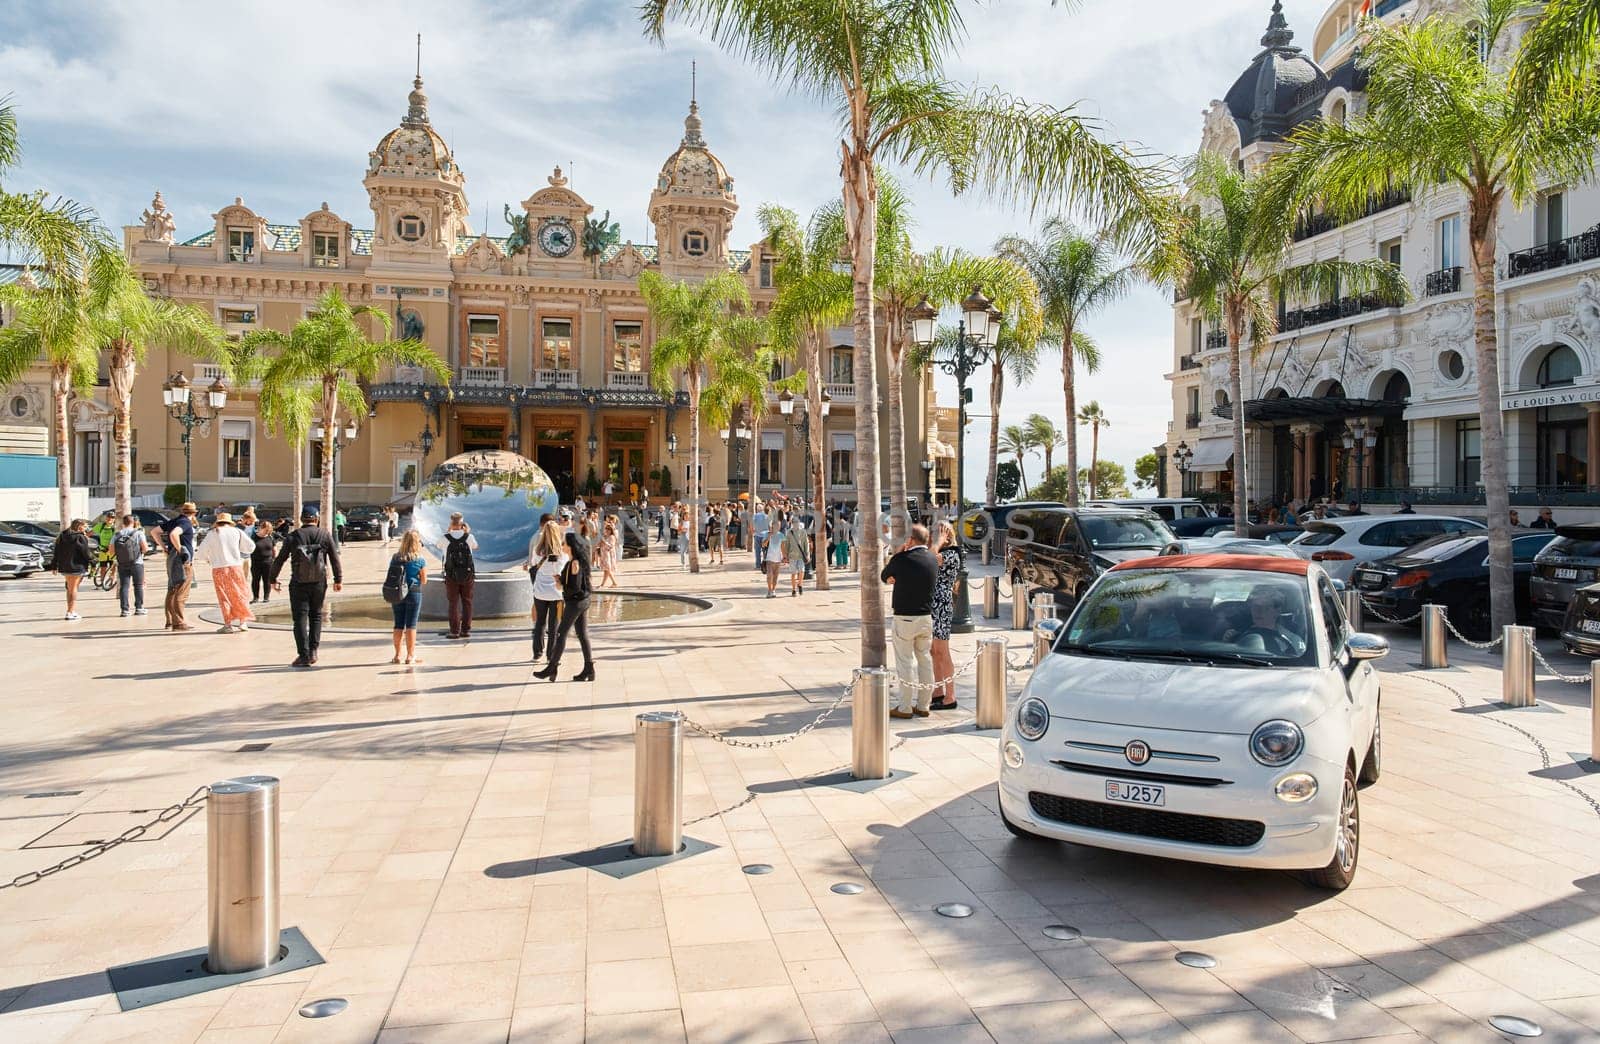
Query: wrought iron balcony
{"type": "Point", "coordinates": [1584, 246]}
{"type": "Point", "coordinates": [1191, 420]}
{"type": "Point", "coordinates": [1444, 281]}
{"type": "Point", "coordinates": [1216, 339]}
{"type": "Point", "coordinates": [1329, 311]}
{"type": "Point", "coordinates": [1188, 362]}
{"type": "Point", "coordinates": [1315, 224]}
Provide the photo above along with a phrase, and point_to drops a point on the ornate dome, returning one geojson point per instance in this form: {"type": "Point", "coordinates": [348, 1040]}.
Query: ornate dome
{"type": "Point", "coordinates": [1281, 88]}
{"type": "Point", "coordinates": [694, 170]}
{"type": "Point", "coordinates": [414, 146]}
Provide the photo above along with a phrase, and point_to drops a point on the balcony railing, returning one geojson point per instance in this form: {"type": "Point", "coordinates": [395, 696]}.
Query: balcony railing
{"type": "Point", "coordinates": [1216, 339]}
{"type": "Point", "coordinates": [1521, 496]}
{"type": "Point", "coordinates": [207, 373]}
{"type": "Point", "coordinates": [555, 378]}
{"type": "Point", "coordinates": [480, 376]}
{"type": "Point", "coordinates": [1188, 362]}
{"type": "Point", "coordinates": [629, 381]}
{"type": "Point", "coordinates": [1444, 281]}
{"type": "Point", "coordinates": [1328, 311]}
{"type": "Point", "coordinates": [1191, 420]}
{"type": "Point", "coordinates": [1316, 224]}
{"type": "Point", "coordinates": [1570, 251]}
{"type": "Point", "coordinates": [839, 391]}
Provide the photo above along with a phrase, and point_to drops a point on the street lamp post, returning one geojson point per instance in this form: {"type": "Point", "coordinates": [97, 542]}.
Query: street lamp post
{"type": "Point", "coordinates": [178, 397]}
{"type": "Point", "coordinates": [927, 485]}
{"type": "Point", "coordinates": [340, 438]}
{"type": "Point", "coordinates": [976, 333]}
{"type": "Point", "coordinates": [1361, 437]}
{"type": "Point", "coordinates": [1181, 457]}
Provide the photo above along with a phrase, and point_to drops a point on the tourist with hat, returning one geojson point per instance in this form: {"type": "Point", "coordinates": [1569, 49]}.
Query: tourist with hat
{"type": "Point", "coordinates": [226, 549]}
{"type": "Point", "coordinates": [311, 553]}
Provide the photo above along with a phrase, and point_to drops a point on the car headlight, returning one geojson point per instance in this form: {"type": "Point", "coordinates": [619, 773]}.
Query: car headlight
{"type": "Point", "coordinates": [1033, 718]}
{"type": "Point", "coordinates": [1012, 754]}
{"type": "Point", "coordinates": [1296, 787]}
{"type": "Point", "coordinates": [1276, 742]}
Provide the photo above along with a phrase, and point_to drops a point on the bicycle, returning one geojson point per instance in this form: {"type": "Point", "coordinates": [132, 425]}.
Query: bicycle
{"type": "Point", "coordinates": [103, 574]}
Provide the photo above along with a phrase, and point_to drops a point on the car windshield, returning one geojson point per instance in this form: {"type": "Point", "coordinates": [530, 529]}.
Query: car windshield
{"type": "Point", "coordinates": [1319, 535]}
{"type": "Point", "coordinates": [1571, 547]}
{"type": "Point", "coordinates": [1440, 548]}
{"type": "Point", "coordinates": [1221, 617]}
{"type": "Point", "coordinates": [1108, 531]}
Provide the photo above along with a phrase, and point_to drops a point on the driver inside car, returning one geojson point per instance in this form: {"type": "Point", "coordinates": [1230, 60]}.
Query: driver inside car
{"type": "Point", "coordinates": [1266, 622]}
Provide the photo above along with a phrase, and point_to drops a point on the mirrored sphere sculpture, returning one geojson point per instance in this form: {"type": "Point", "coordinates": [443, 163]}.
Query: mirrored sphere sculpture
{"type": "Point", "coordinates": [501, 495]}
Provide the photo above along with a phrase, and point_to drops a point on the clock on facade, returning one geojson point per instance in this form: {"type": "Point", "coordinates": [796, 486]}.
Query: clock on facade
{"type": "Point", "coordinates": [556, 237]}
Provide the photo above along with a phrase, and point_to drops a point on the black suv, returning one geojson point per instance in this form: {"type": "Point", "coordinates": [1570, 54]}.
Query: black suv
{"type": "Point", "coordinates": [1064, 549]}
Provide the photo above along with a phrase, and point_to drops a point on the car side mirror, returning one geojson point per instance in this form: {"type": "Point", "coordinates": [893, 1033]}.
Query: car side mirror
{"type": "Point", "coordinates": [1363, 646]}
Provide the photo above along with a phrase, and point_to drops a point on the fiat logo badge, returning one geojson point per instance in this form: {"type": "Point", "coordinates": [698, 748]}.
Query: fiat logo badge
{"type": "Point", "coordinates": [1137, 752]}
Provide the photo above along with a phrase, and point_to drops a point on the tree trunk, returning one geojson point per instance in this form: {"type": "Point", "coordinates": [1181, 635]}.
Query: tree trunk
{"type": "Point", "coordinates": [899, 508]}
{"type": "Point", "coordinates": [1241, 513]}
{"type": "Point", "coordinates": [1069, 392]}
{"type": "Point", "coordinates": [695, 487]}
{"type": "Point", "coordinates": [122, 374]}
{"type": "Point", "coordinates": [60, 386]}
{"type": "Point", "coordinates": [297, 477]}
{"type": "Point", "coordinates": [1049, 452]}
{"type": "Point", "coordinates": [816, 485]}
{"type": "Point", "coordinates": [330, 427]}
{"type": "Point", "coordinates": [861, 216]}
{"type": "Point", "coordinates": [1493, 465]}
{"type": "Point", "coordinates": [996, 390]}
{"type": "Point", "coordinates": [746, 538]}
{"type": "Point", "coordinates": [1094, 461]}
{"type": "Point", "coordinates": [1022, 476]}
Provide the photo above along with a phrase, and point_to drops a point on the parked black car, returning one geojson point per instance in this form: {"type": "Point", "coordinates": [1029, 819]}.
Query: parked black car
{"type": "Point", "coordinates": [1450, 570]}
{"type": "Point", "coordinates": [1570, 561]}
{"type": "Point", "coordinates": [45, 545]}
{"type": "Point", "coordinates": [1064, 549]}
{"type": "Point", "coordinates": [363, 522]}
{"type": "Point", "coordinates": [44, 529]}
{"type": "Point", "coordinates": [1580, 631]}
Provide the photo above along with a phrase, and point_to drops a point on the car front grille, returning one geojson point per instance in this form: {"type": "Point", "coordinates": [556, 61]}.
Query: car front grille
{"type": "Point", "coordinates": [1148, 822]}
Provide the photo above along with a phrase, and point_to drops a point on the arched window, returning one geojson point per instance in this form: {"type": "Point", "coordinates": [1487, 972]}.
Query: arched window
{"type": "Point", "coordinates": [1561, 445]}
{"type": "Point", "coordinates": [1397, 389]}
{"type": "Point", "coordinates": [1560, 366]}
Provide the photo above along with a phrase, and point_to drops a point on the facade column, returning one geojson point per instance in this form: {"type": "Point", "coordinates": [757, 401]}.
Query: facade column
{"type": "Point", "coordinates": [1591, 464]}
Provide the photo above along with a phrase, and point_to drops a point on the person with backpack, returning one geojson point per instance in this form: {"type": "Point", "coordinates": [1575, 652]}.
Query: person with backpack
{"type": "Point", "coordinates": [130, 545]}
{"type": "Point", "coordinates": [402, 589]}
{"type": "Point", "coordinates": [310, 552]}
{"type": "Point", "coordinates": [459, 574]}
{"type": "Point", "coordinates": [576, 586]}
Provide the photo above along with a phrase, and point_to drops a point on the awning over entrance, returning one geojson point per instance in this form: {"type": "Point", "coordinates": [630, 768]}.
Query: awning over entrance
{"type": "Point", "coordinates": [1307, 408]}
{"type": "Point", "coordinates": [938, 448]}
{"type": "Point", "coordinates": [1212, 455]}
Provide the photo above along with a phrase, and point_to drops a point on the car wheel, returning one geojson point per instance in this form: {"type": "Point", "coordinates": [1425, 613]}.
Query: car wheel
{"type": "Point", "coordinates": [1372, 767]}
{"type": "Point", "coordinates": [1341, 869]}
{"type": "Point", "coordinates": [1025, 834]}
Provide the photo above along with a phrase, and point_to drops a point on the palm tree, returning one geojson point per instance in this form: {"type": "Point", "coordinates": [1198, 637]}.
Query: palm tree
{"type": "Point", "coordinates": [699, 331]}
{"type": "Point", "coordinates": [125, 320]}
{"type": "Point", "coordinates": [1015, 356]}
{"type": "Point", "coordinates": [1437, 114]}
{"type": "Point", "coordinates": [48, 323]}
{"type": "Point", "coordinates": [57, 235]}
{"type": "Point", "coordinates": [1016, 441]}
{"type": "Point", "coordinates": [878, 63]}
{"type": "Point", "coordinates": [287, 404]}
{"type": "Point", "coordinates": [1095, 417]}
{"type": "Point", "coordinates": [1077, 276]}
{"type": "Point", "coordinates": [1230, 255]}
{"type": "Point", "coordinates": [1046, 436]}
{"type": "Point", "coordinates": [1563, 43]}
{"type": "Point", "coordinates": [329, 350]}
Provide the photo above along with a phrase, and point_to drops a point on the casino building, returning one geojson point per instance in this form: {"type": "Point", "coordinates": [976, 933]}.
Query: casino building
{"type": "Point", "coordinates": [1359, 398]}
{"type": "Point", "coordinates": [545, 333]}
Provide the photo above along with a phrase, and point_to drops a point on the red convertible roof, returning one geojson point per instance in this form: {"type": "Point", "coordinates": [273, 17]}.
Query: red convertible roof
{"type": "Point", "coordinates": [1263, 563]}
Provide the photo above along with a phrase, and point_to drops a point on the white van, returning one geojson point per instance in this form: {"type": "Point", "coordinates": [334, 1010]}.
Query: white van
{"type": "Point", "coordinates": [1169, 508]}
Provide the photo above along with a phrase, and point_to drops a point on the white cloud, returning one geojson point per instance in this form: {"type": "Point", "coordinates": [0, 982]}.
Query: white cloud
{"type": "Point", "coordinates": [280, 104]}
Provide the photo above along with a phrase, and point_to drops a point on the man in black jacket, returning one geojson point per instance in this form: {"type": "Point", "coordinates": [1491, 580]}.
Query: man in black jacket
{"type": "Point", "coordinates": [311, 553]}
{"type": "Point", "coordinates": [914, 570]}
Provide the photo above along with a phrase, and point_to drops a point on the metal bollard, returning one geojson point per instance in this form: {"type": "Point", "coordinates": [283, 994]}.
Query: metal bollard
{"type": "Point", "coordinates": [1434, 654]}
{"type": "Point", "coordinates": [242, 903]}
{"type": "Point", "coordinates": [1516, 667]}
{"type": "Point", "coordinates": [1594, 711]}
{"type": "Point", "coordinates": [658, 783]}
{"type": "Point", "coordinates": [855, 562]}
{"type": "Point", "coordinates": [1352, 607]}
{"type": "Point", "coordinates": [991, 598]}
{"type": "Point", "coordinates": [988, 553]}
{"type": "Point", "coordinates": [1044, 606]}
{"type": "Point", "coordinates": [1044, 636]}
{"type": "Point", "coordinates": [869, 723]}
{"type": "Point", "coordinates": [991, 682]}
{"type": "Point", "coordinates": [1019, 605]}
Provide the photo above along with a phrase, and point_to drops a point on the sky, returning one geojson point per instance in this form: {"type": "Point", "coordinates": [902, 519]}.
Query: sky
{"type": "Point", "coordinates": [279, 104]}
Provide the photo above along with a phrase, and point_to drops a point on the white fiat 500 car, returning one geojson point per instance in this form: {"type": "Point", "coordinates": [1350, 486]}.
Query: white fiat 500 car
{"type": "Point", "coordinates": [1207, 707]}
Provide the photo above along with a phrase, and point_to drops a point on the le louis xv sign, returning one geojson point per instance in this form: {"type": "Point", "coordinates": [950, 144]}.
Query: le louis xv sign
{"type": "Point", "coordinates": [1551, 397]}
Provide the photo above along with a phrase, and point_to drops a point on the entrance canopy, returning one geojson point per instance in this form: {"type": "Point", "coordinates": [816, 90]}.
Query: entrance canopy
{"type": "Point", "coordinates": [1307, 408]}
{"type": "Point", "coordinates": [1212, 455]}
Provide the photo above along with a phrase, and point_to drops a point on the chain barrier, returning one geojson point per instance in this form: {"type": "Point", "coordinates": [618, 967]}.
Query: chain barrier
{"type": "Point", "coordinates": [1469, 641]}
{"type": "Point", "coordinates": [1538, 745]}
{"type": "Point", "coordinates": [1367, 606]}
{"type": "Point", "coordinates": [1571, 679]}
{"type": "Point", "coordinates": [100, 848]}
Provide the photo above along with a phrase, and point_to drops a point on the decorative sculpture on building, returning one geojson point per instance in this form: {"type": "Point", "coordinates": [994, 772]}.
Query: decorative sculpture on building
{"type": "Point", "coordinates": [520, 237]}
{"type": "Point", "coordinates": [598, 235]}
{"type": "Point", "coordinates": [159, 225]}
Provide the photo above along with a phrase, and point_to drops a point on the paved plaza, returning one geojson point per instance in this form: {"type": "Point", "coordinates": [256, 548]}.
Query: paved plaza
{"type": "Point", "coordinates": [432, 815]}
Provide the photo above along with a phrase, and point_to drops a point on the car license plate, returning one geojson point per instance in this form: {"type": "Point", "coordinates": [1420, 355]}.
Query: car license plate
{"type": "Point", "coordinates": [1589, 626]}
{"type": "Point", "coordinates": [1136, 793]}
{"type": "Point", "coordinates": [1566, 574]}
